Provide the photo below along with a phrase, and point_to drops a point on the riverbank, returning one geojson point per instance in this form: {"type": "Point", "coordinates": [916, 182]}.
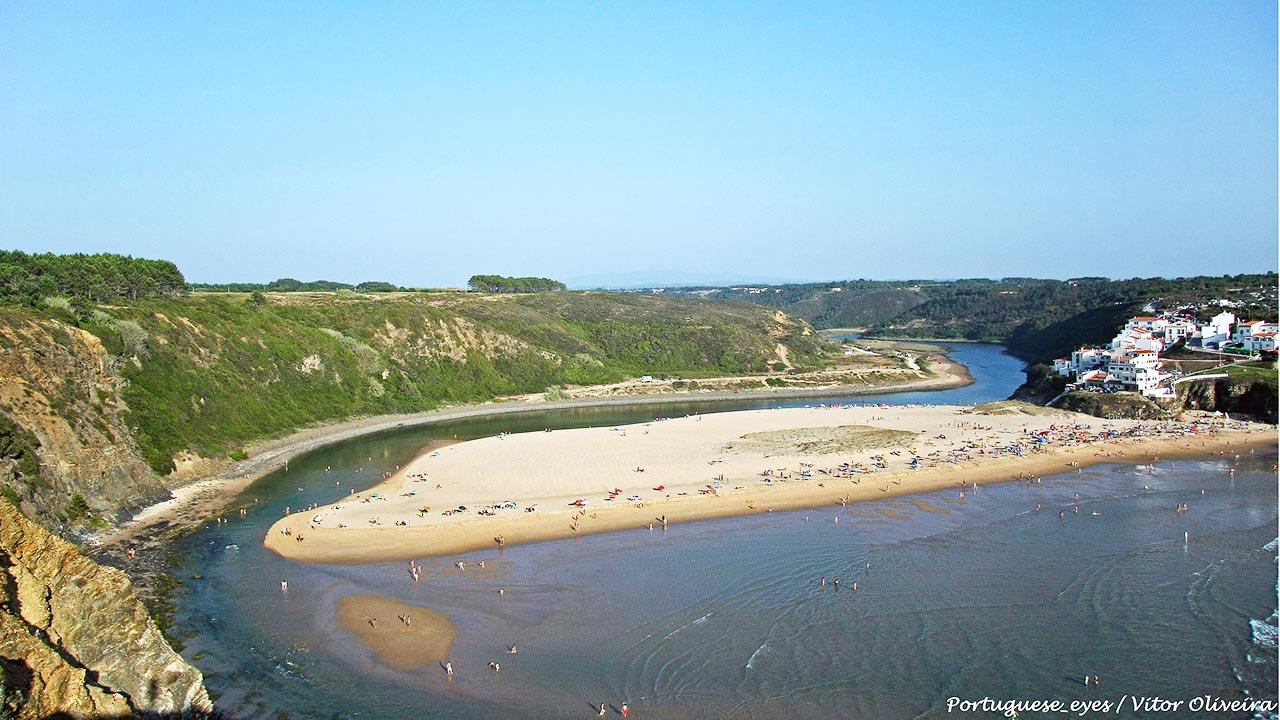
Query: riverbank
{"type": "Point", "coordinates": [192, 503]}
{"type": "Point", "coordinates": [541, 486]}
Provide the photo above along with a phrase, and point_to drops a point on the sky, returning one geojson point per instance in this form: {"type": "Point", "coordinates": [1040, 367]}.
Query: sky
{"type": "Point", "coordinates": [421, 143]}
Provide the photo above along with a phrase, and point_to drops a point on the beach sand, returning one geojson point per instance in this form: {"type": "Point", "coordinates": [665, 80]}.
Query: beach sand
{"type": "Point", "coordinates": [377, 624]}
{"type": "Point", "coordinates": [718, 465]}
{"type": "Point", "coordinates": [194, 502]}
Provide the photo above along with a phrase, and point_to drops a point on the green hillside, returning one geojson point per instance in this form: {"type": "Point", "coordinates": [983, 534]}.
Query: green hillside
{"type": "Point", "coordinates": [207, 373]}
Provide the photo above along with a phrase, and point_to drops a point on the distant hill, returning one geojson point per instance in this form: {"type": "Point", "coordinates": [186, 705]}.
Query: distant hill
{"type": "Point", "coordinates": [1037, 319]}
{"type": "Point", "coordinates": [292, 285]}
{"type": "Point", "coordinates": [664, 279]}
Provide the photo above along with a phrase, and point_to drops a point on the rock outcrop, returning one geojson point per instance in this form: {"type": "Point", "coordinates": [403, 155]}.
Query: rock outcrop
{"type": "Point", "coordinates": [1117, 406]}
{"type": "Point", "coordinates": [1249, 397]}
{"type": "Point", "coordinates": [74, 639]}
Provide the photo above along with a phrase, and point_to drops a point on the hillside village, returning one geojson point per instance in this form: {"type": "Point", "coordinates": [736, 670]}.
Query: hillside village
{"type": "Point", "coordinates": [1132, 360]}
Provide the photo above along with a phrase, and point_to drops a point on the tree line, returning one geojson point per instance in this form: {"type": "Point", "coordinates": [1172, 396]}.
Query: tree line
{"type": "Point", "coordinates": [292, 285]}
{"type": "Point", "coordinates": [28, 278]}
{"type": "Point", "coordinates": [502, 284]}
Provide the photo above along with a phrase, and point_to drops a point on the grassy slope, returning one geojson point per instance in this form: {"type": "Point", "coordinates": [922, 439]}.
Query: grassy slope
{"type": "Point", "coordinates": [209, 373]}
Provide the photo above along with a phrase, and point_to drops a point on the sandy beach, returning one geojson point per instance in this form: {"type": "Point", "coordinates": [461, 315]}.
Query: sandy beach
{"type": "Point", "coordinates": [195, 501]}
{"type": "Point", "coordinates": [544, 485]}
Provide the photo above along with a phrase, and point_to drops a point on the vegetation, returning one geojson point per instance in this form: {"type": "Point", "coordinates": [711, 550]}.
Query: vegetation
{"type": "Point", "coordinates": [17, 446]}
{"type": "Point", "coordinates": [291, 285]}
{"type": "Point", "coordinates": [207, 374]}
{"type": "Point", "coordinates": [27, 279]}
{"type": "Point", "coordinates": [1037, 319]}
{"type": "Point", "coordinates": [1265, 371]}
{"type": "Point", "coordinates": [821, 440]}
{"type": "Point", "coordinates": [501, 284]}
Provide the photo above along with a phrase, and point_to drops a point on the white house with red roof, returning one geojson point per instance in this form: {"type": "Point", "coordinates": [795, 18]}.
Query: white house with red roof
{"type": "Point", "coordinates": [1136, 339]}
{"type": "Point", "coordinates": [1139, 370]}
{"type": "Point", "coordinates": [1150, 323]}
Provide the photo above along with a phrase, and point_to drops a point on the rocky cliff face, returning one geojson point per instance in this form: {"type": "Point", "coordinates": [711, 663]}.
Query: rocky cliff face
{"type": "Point", "coordinates": [74, 639]}
{"type": "Point", "coordinates": [1251, 397]}
{"type": "Point", "coordinates": [1118, 406]}
{"type": "Point", "coordinates": [66, 451]}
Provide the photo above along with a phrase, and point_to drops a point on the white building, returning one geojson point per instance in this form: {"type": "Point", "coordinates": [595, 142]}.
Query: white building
{"type": "Point", "coordinates": [1253, 328]}
{"type": "Point", "coordinates": [1136, 339]}
{"type": "Point", "coordinates": [1178, 329]}
{"type": "Point", "coordinates": [1150, 323]}
{"type": "Point", "coordinates": [1217, 330]}
{"type": "Point", "coordinates": [1082, 361]}
{"type": "Point", "coordinates": [1139, 370]}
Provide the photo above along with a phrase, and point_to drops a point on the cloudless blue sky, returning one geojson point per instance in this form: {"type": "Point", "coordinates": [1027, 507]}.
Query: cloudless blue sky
{"type": "Point", "coordinates": [421, 143]}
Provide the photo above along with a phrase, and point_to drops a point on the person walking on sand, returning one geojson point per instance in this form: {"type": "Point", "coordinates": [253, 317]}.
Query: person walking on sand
{"type": "Point", "coordinates": [601, 710]}
{"type": "Point", "coordinates": [448, 669]}
{"type": "Point", "coordinates": [625, 710]}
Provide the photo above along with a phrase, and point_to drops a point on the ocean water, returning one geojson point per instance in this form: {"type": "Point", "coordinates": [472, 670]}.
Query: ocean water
{"type": "Point", "coordinates": [955, 599]}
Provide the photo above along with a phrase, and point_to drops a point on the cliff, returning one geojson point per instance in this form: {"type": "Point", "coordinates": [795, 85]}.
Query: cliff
{"type": "Point", "coordinates": [67, 452]}
{"type": "Point", "coordinates": [1117, 406]}
{"type": "Point", "coordinates": [1249, 396]}
{"type": "Point", "coordinates": [76, 642]}
{"type": "Point", "coordinates": [1254, 396]}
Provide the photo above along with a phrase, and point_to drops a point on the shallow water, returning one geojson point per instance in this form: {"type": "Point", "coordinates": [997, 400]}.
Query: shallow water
{"type": "Point", "coordinates": [726, 618]}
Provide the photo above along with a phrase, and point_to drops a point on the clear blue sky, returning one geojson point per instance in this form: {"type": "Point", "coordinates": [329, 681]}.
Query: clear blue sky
{"type": "Point", "coordinates": [421, 143]}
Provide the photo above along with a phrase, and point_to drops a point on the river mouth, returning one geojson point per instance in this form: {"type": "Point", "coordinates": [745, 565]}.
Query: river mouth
{"type": "Point", "coordinates": [726, 618]}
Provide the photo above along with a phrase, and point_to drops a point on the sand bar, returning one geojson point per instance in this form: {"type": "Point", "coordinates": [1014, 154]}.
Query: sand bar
{"type": "Point", "coordinates": [403, 636]}
{"type": "Point", "coordinates": [522, 487]}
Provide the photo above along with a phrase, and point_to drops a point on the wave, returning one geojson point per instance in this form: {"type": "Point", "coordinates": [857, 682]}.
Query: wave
{"type": "Point", "coordinates": [751, 663]}
{"type": "Point", "coordinates": [1265, 632]}
{"type": "Point", "coordinates": [1272, 546]}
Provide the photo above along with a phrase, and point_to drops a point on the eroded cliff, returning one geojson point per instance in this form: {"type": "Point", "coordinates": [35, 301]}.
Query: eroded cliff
{"type": "Point", "coordinates": [67, 453]}
{"type": "Point", "coordinates": [74, 639]}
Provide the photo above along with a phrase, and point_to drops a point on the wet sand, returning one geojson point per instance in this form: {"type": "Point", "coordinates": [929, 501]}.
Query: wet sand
{"type": "Point", "coordinates": [376, 623]}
